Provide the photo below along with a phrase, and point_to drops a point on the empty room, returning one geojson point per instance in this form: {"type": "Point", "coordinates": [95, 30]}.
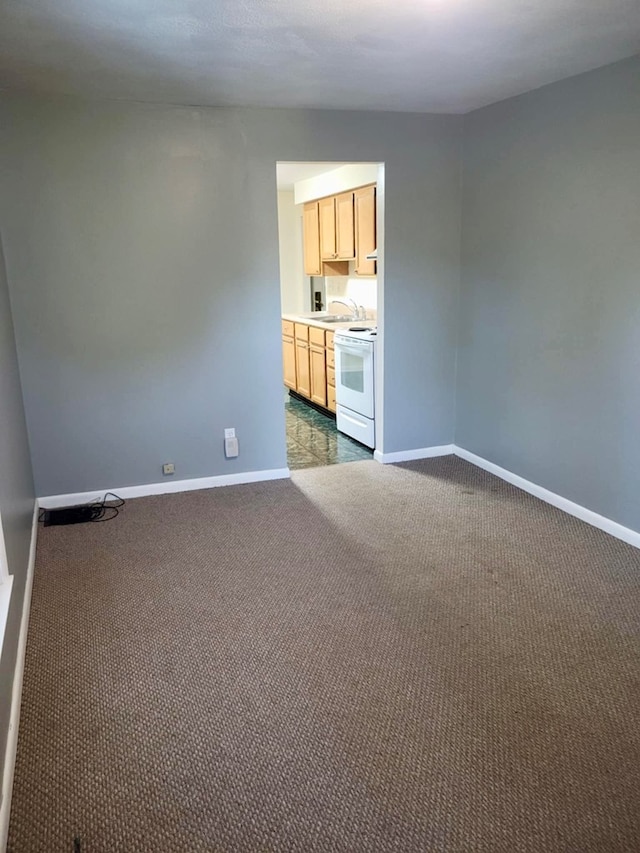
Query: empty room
{"type": "Point", "coordinates": [319, 426]}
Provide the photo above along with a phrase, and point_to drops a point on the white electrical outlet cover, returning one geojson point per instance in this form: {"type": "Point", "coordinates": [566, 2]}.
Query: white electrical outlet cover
{"type": "Point", "coordinates": [230, 447]}
{"type": "Point", "coordinates": [230, 432]}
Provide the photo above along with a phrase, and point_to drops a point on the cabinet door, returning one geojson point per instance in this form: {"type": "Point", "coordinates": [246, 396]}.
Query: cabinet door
{"type": "Point", "coordinates": [311, 229]}
{"type": "Point", "coordinates": [331, 398]}
{"type": "Point", "coordinates": [318, 375]}
{"type": "Point", "coordinates": [289, 362]}
{"type": "Point", "coordinates": [365, 208]}
{"type": "Point", "coordinates": [345, 233]}
{"type": "Point", "coordinates": [327, 212]}
{"type": "Point", "coordinates": [303, 376]}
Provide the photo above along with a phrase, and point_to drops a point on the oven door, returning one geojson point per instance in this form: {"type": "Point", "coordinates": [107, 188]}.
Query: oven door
{"type": "Point", "coordinates": [354, 375]}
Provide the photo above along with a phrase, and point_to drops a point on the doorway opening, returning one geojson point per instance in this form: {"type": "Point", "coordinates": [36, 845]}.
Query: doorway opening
{"type": "Point", "coordinates": [330, 230]}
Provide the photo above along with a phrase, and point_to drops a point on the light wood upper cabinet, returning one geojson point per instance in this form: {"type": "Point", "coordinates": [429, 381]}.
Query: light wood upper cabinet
{"type": "Point", "coordinates": [365, 227]}
{"type": "Point", "coordinates": [337, 233]}
{"type": "Point", "coordinates": [344, 223]}
{"type": "Point", "coordinates": [327, 213]}
{"type": "Point", "coordinates": [314, 214]}
{"type": "Point", "coordinates": [338, 229]}
{"type": "Point", "coordinates": [311, 229]}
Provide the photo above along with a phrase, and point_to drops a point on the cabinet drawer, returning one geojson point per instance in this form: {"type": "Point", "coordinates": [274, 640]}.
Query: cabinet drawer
{"type": "Point", "coordinates": [329, 339]}
{"type": "Point", "coordinates": [331, 374]}
{"type": "Point", "coordinates": [316, 336]}
{"type": "Point", "coordinates": [301, 331]}
{"type": "Point", "coordinates": [287, 328]}
{"type": "Point", "coordinates": [331, 398]}
{"type": "Point", "coordinates": [331, 359]}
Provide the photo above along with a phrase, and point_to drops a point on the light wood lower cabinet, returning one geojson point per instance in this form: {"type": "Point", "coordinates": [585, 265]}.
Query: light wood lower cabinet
{"type": "Point", "coordinates": [289, 362]}
{"type": "Point", "coordinates": [330, 357]}
{"type": "Point", "coordinates": [309, 362]}
{"type": "Point", "coordinates": [289, 354]}
{"type": "Point", "coordinates": [303, 373]}
{"type": "Point", "coordinates": [318, 375]}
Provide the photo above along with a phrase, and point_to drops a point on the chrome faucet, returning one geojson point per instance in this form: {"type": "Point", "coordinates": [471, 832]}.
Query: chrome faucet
{"type": "Point", "coordinates": [353, 305]}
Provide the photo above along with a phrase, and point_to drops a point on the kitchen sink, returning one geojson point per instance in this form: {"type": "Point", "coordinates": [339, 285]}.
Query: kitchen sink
{"type": "Point", "coordinates": [334, 318]}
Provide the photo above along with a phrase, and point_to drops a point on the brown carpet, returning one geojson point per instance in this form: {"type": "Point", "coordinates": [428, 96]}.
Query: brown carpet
{"type": "Point", "coordinates": [366, 658]}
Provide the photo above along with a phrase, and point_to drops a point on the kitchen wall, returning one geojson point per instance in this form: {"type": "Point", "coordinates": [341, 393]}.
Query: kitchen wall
{"type": "Point", "coordinates": [142, 251]}
{"type": "Point", "coordinates": [549, 350]}
{"type": "Point", "coordinates": [16, 498]}
{"type": "Point", "coordinates": [363, 291]}
{"type": "Point", "coordinates": [294, 285]}
{"type": "Point", "coordinates": [335, 181]}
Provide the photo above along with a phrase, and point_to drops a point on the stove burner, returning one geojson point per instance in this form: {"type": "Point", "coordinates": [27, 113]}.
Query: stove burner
{"type": "Point", "coordinates": [359, 328]}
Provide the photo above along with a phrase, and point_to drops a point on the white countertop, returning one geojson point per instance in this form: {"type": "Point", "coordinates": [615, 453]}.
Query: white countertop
{"type": "Point", "coordinates": [310, 320]}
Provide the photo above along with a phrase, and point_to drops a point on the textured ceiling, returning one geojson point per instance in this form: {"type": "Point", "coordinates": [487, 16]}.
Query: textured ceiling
{"type": "Point", "coordinates": [418, 55]}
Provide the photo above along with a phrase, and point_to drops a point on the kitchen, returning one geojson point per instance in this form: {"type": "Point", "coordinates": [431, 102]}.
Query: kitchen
{"type": "Point", "coordinates": [328, 222]}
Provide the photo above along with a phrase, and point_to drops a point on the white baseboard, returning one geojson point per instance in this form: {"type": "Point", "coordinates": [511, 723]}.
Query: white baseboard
{"type": "Point", "coordinates": [165, 488]}
{"type": "Point", "coordinates": [16, 693]}
{"type": "Point", "coordinates": [410, 455]}
{"type": "Point", "coordinates": [618, 530]}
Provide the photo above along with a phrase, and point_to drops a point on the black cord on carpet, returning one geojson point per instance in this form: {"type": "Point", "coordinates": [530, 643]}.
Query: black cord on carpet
{"type": "Point", "coordinates": [100, 510]}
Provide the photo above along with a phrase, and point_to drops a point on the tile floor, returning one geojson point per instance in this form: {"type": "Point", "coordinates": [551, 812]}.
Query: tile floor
{"type": "Point", "coordinates": [313, 440]}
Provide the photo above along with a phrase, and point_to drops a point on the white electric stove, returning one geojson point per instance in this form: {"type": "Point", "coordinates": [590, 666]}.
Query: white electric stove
{"type": "Point", "coordinates": [355, 384]}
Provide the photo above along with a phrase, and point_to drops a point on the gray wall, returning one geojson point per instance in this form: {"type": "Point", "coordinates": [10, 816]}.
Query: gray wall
{"type": "Point", "coordinates": [16, 498]}
{"type": "Point", "coordinates": [142, 250]}
{"type": "Point", "coordinates": [549, 348]}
